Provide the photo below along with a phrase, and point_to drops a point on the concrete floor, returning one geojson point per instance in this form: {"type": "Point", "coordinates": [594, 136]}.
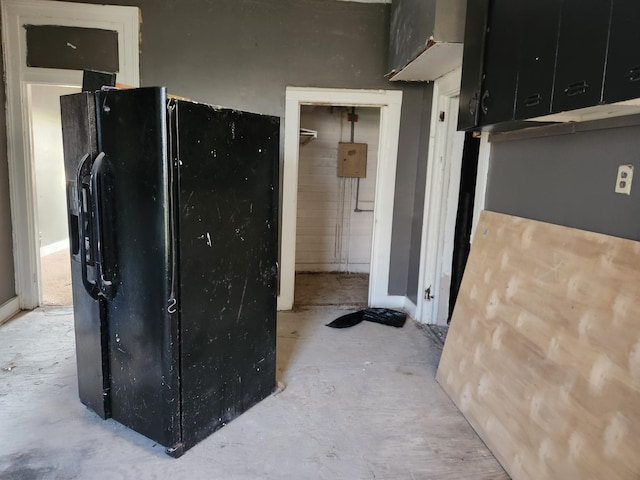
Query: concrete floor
{"type": "Point", "coordinates": [359, 403]}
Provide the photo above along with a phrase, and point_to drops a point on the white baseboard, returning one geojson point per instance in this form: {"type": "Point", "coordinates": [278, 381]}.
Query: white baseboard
{"type": "Point", "coordinates": [8, 309]}
{"type": "Point", "coordinates": [54, 247]}
{"type": "Point", "coordinates": [332, 268]}
{"type": "Point", "coordinates": [390, 301]}
{"type": "Point", "coordinates": [410, 308]}
{"type": "Point", "coordinates": [397, 302]}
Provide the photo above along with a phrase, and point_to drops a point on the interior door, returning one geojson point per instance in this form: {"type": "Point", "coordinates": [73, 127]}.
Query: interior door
{"type": "Point", "coordinates": [441, 204]}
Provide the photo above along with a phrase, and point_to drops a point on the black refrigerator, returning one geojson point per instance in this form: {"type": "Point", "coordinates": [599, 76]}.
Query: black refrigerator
{"type": "Point", "coordinates": [172, 209]}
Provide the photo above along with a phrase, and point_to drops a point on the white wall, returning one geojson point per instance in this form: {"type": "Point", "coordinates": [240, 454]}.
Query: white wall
{"type": "Point", "coordinates": [330, 235]}
{"type": "Point", "coordinates": [49, 163]}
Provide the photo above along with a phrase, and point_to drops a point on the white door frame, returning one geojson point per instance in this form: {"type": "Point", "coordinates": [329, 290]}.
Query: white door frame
{"type": "Point", "coordinates": [15, 14]}
{"type": "Point", "coordinates": [390, 103]}
{"type": "Point", "coordinates": [441, 199]}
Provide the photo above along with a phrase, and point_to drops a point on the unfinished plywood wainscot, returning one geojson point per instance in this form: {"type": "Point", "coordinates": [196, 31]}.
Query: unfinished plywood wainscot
{"type": "Point", "coordinates": [543, 353]}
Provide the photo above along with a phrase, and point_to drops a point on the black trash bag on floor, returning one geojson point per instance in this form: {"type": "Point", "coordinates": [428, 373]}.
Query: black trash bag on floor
{"type": "Point", "coordinates": [348, 320]}
{"type": "Point", "coordinates": [384, 316]}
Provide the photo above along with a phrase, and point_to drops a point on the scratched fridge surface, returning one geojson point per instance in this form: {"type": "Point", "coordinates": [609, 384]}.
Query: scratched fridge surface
{"type": "Point", "coordinates": [173, 227]}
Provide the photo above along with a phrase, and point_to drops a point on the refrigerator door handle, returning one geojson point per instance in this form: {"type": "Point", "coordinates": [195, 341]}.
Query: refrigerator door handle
{"type": "Point", "coordinates": [85, 224]}
{"type": "Point", "coordinates": [104, 275]}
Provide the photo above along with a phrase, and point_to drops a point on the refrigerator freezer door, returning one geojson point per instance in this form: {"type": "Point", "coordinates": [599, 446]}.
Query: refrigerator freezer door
{"type": "Point", "coordinates": [228, 178]}
{"type": "Point", "coordinates": [80, 148]}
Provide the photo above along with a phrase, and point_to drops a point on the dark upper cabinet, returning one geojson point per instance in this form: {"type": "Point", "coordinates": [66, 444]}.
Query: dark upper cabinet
{"type": "Point", "coordinates": [548, 60]}
{"type": "Point", "coordinates": [582, 52]}
{"type": "Point", "coordinates": [500, 76]}
{"type": "Point", "coordinates": [537, 57]}
{"type": "Point", "coordinates": [472, 63]}
{"type": "Point", "coordinates": [622, 76]}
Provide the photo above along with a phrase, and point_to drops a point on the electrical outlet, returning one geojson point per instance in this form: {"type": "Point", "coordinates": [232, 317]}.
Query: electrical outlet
{"type": "Point", "coordinates": [623, 182]}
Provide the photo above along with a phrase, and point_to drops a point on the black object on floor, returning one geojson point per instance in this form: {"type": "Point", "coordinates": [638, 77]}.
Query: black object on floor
{"type": "Point", "coordinates": [384, 316]}
{"type": "Point", "coordinates": [348, 320]}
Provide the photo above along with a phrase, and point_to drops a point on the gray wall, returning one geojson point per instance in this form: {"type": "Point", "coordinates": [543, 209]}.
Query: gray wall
{"type": "Point", "coordinates": [410, 185]}
{"type": "Point", "coordinates": [412, 23]}
{"type": "Point", "coordinates": [418, 199]}
{"type": "Point", "coordinates": [567, 176]}
{"type": "Point", "coordinates": [48, 159]}
{"type": "Point", "coordinates": [7, 277]}
{"type": "Point", "coordinates": [243, 53]}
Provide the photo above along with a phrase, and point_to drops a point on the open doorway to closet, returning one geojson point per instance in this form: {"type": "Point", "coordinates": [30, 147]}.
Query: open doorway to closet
{"type": "Point", "coordinates": [336, 188]}
{"type": "Point", "coordinates": [389, 105]}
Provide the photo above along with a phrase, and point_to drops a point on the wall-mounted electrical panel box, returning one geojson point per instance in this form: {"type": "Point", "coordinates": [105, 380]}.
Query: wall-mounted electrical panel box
{"type": "Point", "coordinates": [352, 160]}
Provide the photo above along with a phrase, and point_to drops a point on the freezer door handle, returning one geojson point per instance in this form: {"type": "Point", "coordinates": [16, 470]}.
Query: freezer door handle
{"type": "Point", "coordinates": [105, 274]}
{"type": "Point", "coordinates": [85, 226]}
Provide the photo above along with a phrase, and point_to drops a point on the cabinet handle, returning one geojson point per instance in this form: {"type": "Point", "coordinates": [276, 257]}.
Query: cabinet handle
{"type": "Point", "coordinates": [486, 102]}
{"type": "Point", "coordinates": [577, 88]}
{"type": "Point", "coordinates": [634, 74]}
{"type": "Point", "coordinates": [532, 100]}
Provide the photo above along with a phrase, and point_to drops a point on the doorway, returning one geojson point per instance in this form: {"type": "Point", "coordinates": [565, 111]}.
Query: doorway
{"type": "Point", "coordinates": [46, 135]}
{"type": "Point", "coordinates": [437, 285]}
{"type": "Point", "coordinates": [464, 216]}
{"type": "Point", "coordinates": [389, 105]}
{"type": "Point", "coordinates": [335, 204]}
{"type": "Point", "coordinates": [23, 84]}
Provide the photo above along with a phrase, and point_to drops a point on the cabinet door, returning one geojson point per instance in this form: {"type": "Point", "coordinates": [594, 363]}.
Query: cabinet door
{"type": "Point", "coordinates": [622, 77]}
{"type": "Point", "coordinates": [500, 68]}
{"type": "Point", "coordinates": [582, 47]}
{"type": "Point", "coordinates": [472, 63]}
{"type": "Point", "coordinates": [537, 60]}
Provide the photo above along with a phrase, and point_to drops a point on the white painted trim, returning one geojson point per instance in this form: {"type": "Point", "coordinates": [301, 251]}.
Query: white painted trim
{"type": "Point", "coordinates": [399, 302]}
{"type": "Point", "coordinates": [451, 194]}
{"type": "Point", "coordinates": [396, 302]}
{"type": "Point", "coordinates": [441, 189]}
{"type": "Point", "coordinates": [410, 308]}
{"type": "Point", "coordinates": [333, 268]}
{"type": "Point", "coordinates": [481, 181]}
{"type": "Point", "coordinates": [390, 103]}
{"type": "Point", "coordinates": [15, 14]}
{"type": "Point", "coordinates": [8, 309]}
{"type": "Point", "coordinates": [54, 247]}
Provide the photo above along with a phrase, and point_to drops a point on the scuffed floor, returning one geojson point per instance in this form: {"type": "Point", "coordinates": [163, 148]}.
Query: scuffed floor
{"type": "Point", "coordinates": [55, 272]}
{"type": "Point", "coordinates": [359, 403]}
{"type": "Point", "coordinates": [347, 290]}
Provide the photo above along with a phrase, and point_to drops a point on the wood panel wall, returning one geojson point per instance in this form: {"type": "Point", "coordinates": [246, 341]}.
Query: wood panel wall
{"type": "Point", "coordinates": [543, 352]}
